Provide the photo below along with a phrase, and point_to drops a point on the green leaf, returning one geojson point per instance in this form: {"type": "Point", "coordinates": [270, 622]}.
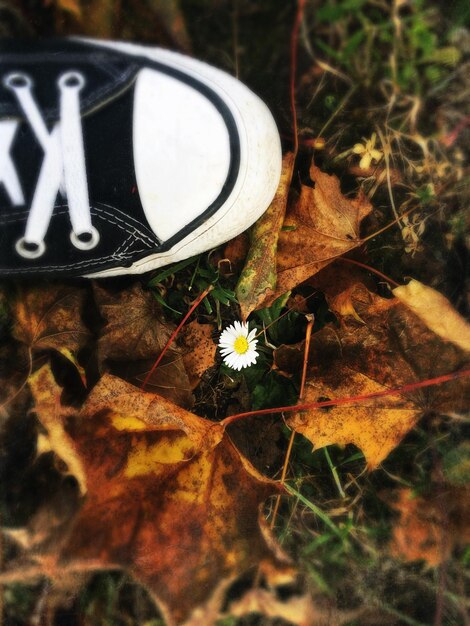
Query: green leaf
{"type": "Point", "coordinates": [258, 278]}
{"type": "Point", "coordinates": [433, 73]}
{"type": "Point", "coordinates": [169, 271]}
{"type": "Point", "coordinates": [269, 314]}
{"type": "Point", "coordinates": [225, 296]}
{"type": "Point", "coordinates": [318, 512]}
{"type": "Point", "coordinates": [159, 298]}
{"type": "Point", "coordinates": [273, 391]}
{"type": "Point", "coordinates": [354, 43]}
{"type": "Point", "coordinates": [456, 464]}
{"type": "Point", "coordinates": [329, 50]}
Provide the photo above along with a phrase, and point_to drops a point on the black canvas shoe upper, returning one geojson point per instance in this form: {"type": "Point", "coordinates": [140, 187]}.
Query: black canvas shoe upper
{"type": "Point", "coordinates": [106, 103]}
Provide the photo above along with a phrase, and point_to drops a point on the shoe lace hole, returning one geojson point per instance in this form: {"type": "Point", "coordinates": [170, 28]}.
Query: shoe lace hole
{"type": "Point", "coordinates": [17, 81]}
{"type": "Point", "coordinates": [86, 240]}
{"type": "Point", "coordinates": [71, 80]}
{"type": "Point", "coordinates": [30, 249]}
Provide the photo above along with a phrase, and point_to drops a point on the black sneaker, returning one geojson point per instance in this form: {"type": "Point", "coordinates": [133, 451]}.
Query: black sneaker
{"type": "Point", "coordinates": [117, 158]}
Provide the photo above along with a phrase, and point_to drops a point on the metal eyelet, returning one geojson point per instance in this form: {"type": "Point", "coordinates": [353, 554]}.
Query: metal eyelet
{"type": "Point", "coordinates": [28, 253]}
{"type": "Point", "coordinates": [88, 244]}
{"type": "Point", "coordinates": [17, 80]}
{"type": "Point", "coordinates": [71, 80]}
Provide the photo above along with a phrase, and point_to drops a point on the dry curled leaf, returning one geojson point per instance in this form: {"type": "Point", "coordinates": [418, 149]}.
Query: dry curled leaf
{"type": "Point", "coordinates": [52, 416]}
{"type": "Point", "coordinates": [169, 379]}
{"type": "Point", "coordinates": [298, 610]}
{"type": "Point", "coordinates": [319, 227]}
{"type": "Point", "coordinates": [340, 283]}
{"type": "Point", "coordinates": [390, 348]}
{"type": "Point", "coordinates": [257, 281]}
{"type": "Point", "coordinates": [48, 317]}
{"type": "Point", "coordinates": [436, 312]}
{"type": "Point", "coordinates": [156, 22]}
{"type": "Point", "coordinates": [133, 338]}
{"type": "Point", "coordinates": [70, 6]}
{"type": "Point", "coordinates": [428, 528]}
{"type": "Point", "coordinates": [135, 328]}
{"type": "Point", "coordinates": [375, 427]}
{"type": "Point", "coordinates": [169, 498]}
{"type": "Point", "coordinates": [198, 350]}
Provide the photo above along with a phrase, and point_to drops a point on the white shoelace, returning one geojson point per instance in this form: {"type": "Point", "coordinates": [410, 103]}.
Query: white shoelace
{"type": "Point", "coordinates": [63, 169]}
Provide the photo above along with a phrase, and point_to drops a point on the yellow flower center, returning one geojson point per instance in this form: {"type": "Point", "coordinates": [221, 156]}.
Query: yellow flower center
{"type": "Point", "coordinates": [240, 345]}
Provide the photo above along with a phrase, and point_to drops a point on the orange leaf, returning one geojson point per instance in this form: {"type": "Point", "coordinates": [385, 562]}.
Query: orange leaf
{"type": "Point", "coordinates": [169, 498]}
{"type": "Point", "coordinates": [376, 427]}
{"type": "Point", "coordinates": [322, 225]}
{"type": "Point", "coordinates": [436, 312]}
{"type": "Point", "coordinates": [71, 6]}
{"type": "Point", "coordinates": [428, 528]}
{"type": "Point", "coordinates": [47, 317]}
{"type": "Point", "coordinates": [392, 347]}
{"type": "Point", "coordinates": [341, 284]}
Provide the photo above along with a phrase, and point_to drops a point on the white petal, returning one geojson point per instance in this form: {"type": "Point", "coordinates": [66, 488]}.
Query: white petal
{"type": "Point", "coordinates": [252, 334]}
{"type": "Point", "coordinates": [225, 337]}
{"type": "Point", "coordinates": [226, 343]}
{"type": "Point", "coordinates": [226, 351]}
{"type": "Point", "coordinates": [231, 360]}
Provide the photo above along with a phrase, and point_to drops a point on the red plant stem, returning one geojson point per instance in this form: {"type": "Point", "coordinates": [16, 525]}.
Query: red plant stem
{"type": "Point", "coordinates": [196, 303]}
{"type": "Point", "coordinates": [351, 399]}
{"type": "Point", "coordinates": [308, 334]}
{"type": "Point", "coordinates": [449, 139]}
{"type": "Point", "coordinates": [293, 68]}
{"type": "Point", "coordinates": [369, 269]}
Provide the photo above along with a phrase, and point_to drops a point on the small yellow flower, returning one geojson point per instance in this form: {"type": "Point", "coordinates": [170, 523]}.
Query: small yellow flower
{"type": "Point", "coordinates": [237, 346]}
{"type": "Point", "coordinates": [368, 151]}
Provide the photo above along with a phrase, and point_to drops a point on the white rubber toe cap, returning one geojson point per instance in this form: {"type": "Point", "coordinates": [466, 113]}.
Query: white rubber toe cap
{"type": "Point", "coordinates": [180, 175]}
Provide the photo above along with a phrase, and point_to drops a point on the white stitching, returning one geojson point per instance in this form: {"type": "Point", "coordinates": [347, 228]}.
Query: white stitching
{"type": "Point", "coordinates": [124, 246]}
{"type": "Point", "coordinates": [97, 211]}
{"type": "Point", "coordinates": [117, 255]}
{"type": "Point", "coordinates": [152, 236]}
{"type": "Point", "coordinates": [126, 226]}
{"type": "Point", "coordinates": [81, 264]}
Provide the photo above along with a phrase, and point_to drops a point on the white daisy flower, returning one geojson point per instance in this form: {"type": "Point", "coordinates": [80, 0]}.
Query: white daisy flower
{"type": "Point", "coordinates": [237, 346]}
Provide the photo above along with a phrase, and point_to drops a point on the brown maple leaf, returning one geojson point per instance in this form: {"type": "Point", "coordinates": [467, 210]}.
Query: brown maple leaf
{"type": "Point", "coordinates": [430, 526]}
{"type": "Point", "coordinates": [48, 317]}
{"type": "Point", "coordinates": [198, 350]}
{"type": "Point", "coordinates": [132, 339]}
{"type": "Point", "coordinates": [70, 6]}
{"type": "Point", "coordinates": [169, 498]}
{"type": "Point", "coordinates": [389, 348]}
{"type": "Point", "coordinates": [170, 379]}
{"type": "Point", "coordinates": [436, 312]}
{"type": "Point", "coordinates": [339, 282]}
{"type": "Point", "coordinates": [319, 227]}
{"type": "Point", "coordinates": [135, 328]}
